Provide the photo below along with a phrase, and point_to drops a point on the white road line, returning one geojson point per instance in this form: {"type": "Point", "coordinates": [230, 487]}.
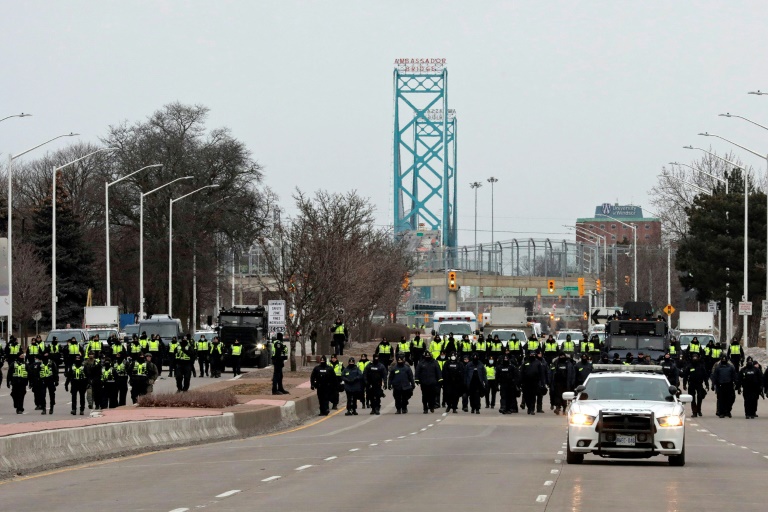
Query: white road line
{"type": "Point", "coordinates": [438, 420]}
{"type": "Point", "coordinates": [444, 414]}
{"type": "Point", "coordinates": [424, 430]}
{"type": "Point", "coordinates": [701, 430]}
{"type": "Point", "coordinates": [548, 483]}
{"type": "Point", "coordinates": [713, 435]}
{"type": "Point", "coordinates": [541, 498]}
{"type": "Point", "coordinates": [374, 444]}
{"type": "Point", "coordinates": [401, 437]}
{"type": "Point", "coordinates": [412, 434]}
{"type": "Point", "coordinates": [431, 425]}
{"type": "Point", "coordinates": [555, 471]}
{"type": "Point", "coordinates": [743, 447]}
{"type": "Point", "coordinates": [721, 440]}
{"type": "Point", "coordinates": [275, 477]}
{"type": "Point", "coordinates": [180, 510]}
{"type": "Point", "coordinates": [765, 456]}
{"type": "Point", "coordinates": [235, 491]}
{"type": "Point", "coordinates": [302, 468]}
{"type": "Point", "coordinates": [694, 424]}
{"type": "Point", "coordinates": [330, 458]}
{"type": "Point", "coordinates": [387, 440]}
{"type": "Point", "coordinates": [756, 453]}
{"type": "Point", "coordinates": [559, 453]}
{"type": "Point", "coordinates": [354, 449]}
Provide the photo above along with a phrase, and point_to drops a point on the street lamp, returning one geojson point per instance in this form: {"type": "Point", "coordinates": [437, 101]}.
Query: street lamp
{"type": "Point", "coordinates": [11, 158]}
{"type": "Point", "coordinates": [492, 180]}
{"type": "Point", "coordinates": [634, 233]}
{"type": "Point", "coordinates": [170, 246]}
{"type": "Point", "coordinates": [475, 185]}
{"type": "Point", "coordinates": [16, 115]}
{"type": "Point", "coordinates": [54, 299]}
{"type": "Point", "coordinates": [746, 216]}
{"type": "Point", "coordinates": [599, 237]}
{"type": "Point", "coordinates": [141, 241]}
{"type": "Point", "coordinates": [718, 178]}
{"type": "Point", "coordinates": [106, 223]}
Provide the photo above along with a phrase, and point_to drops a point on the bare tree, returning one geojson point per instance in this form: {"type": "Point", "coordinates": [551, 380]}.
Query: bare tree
{"type": "Point", "coordinates": [31, 285]}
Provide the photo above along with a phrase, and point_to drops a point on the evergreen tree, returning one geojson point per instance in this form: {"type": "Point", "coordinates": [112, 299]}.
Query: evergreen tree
{"type": "Point", "coordinates": [74, 262]}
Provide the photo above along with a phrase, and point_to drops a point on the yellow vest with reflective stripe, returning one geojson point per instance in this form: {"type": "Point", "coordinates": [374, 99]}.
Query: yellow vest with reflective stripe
{"type": "Point", "coordinates": [45, 371]}
{"type": "Point", "coordinates": [78, 373]}
{"type": "Point", "coordinates": [694, 347]}
{"type": "Point", "coordinates": [672, 349]}
{"type": "Point", "coordinates": [337, 369]}
{"type": "Point", "coordinates": [550, 346]}
{"type": "Point", "coordinates": [532, 345]}
{"type": "Point", "coordinates": [94, 345]}
{"type": "Point", "coordinates": [569, 346]}
{"type": "Point", "coordinates": [237, 350]}
{"type": "Point", "coordinates": [513, 346]}
{"type": "Point", "coordinates": [135, 349]}
{"type": "Point", "coordinates": [20, 370]}
{"type": "Point", "coordinates": [183, 356]}
{"type": "Point", "coordinates": [141, 369]}
{"type": "Point", "coordinates": [339, 329]}
{"type": "Point", "coordinates": [362, 365]}
{"type": "Point", "coordinates": [490, 372]}
{"type": "Point", "coordinates": [404, 346]}
{"type": "Point", "coordinates": [73, 349]}
{"type": "Point", "coordinates": [14, 350]}
{"type": "Point", "coordinates": [154, 346]}
{"type": "Point", "coordinates": [202, 346]}
{"type": "Point", "coordinates": [385, 349]}
{"type": "Point", "coordinates": [716, 353]}
{"type": "Point", "coordinates": [735, 349]}
{"type": "Point", "coordinates": [33, 349]}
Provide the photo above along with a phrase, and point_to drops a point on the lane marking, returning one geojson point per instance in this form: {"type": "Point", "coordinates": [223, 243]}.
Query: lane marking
{"type": "Point", "coordinates": [401, 437]}
{"type": "Point", "coordinates": [438, 420]}
{"type": "Point", "coordinates": [559, 453]}
{"type": "Point", "coordinates": [743, 447]}
{"type": "Point", "coordinates": [555, 471]}
{"type": "Point", "coordinates": [541, 498]}
{"type": "Point", "coordinates": [330, 458]}
{"type": "Point", "coordinates": [431, 425]}
{"type": "Point", "coordinates": [180, 510]}
{"type": "Point", "coordinates": [765, 456]}
{"type": "Point", "coordinates": [444, 414]}
{"type": "Point", "coordinates": [558, 461]}
{"type": "Point", "coordinates": [757, 453]}
{"type": "Point", "coordinates": [387, 440]}
{"type": "Point", "coordinates": [424, 429]}
{"type": "Point", "coordinates": [374, 444]}
{"type": "Point", "coordinates": [721, 440]}
{"type": "Point", "coordinates": [235, 491]}
{"type": "Point", "coordinates": [548, 483]}
{"type": "Point", "coordinates": [302, 468]}
{"type": "Point", "coordinates": [354, 449]}
{"type": "Point", "coordinates": [275, 477]}
{"type": "Point", "coordinates": [412, 434]}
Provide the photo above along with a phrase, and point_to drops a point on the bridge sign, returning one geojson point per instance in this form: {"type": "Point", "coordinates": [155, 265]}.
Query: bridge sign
{"type": "Point", "coordinates": [571, 288]}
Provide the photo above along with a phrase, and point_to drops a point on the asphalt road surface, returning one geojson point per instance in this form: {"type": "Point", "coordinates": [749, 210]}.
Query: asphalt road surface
{"type": "Point", "coordinates": [425, 462]}
{"type": "Point", "coordinates": [63, 398]}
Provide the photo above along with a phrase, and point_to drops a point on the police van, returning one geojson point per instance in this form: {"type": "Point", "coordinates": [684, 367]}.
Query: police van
{"type": "Point", "coordinates": [457, 322]}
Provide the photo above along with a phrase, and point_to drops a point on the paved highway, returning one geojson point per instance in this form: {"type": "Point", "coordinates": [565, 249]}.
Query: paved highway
{"type": "Point", "coordinates": [456, 462]}
{"type": "Point", "coordinates": [63, 398]}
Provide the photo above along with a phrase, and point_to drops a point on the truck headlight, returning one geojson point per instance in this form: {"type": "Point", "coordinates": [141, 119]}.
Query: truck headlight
{"type": "Point", "coordinates": [581, 419]}
{"type": "Point", "coordinates": [260, 346]}
{"type": "Point", "coordinates": [671, 421]}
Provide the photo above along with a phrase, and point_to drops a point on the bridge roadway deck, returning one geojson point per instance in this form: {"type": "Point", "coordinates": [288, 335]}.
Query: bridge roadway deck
{"type": "Point", "coordinates": [429, 461]}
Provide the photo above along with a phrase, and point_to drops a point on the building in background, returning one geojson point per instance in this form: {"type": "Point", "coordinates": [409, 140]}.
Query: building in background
{"type": "Point", "coordinates": [648, 228]}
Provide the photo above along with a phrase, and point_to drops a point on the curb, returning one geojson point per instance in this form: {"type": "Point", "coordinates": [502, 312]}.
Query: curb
{"type": "Point", "coordinates": [39, 451]}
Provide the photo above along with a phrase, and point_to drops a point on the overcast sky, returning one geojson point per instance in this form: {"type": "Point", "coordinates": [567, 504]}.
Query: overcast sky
{"type": "Point", "coordinates": [570, 104]}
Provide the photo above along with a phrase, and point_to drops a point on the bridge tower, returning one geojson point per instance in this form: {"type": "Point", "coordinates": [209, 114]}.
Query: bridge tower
{"type": "Point", "coordinates": [424, 150]}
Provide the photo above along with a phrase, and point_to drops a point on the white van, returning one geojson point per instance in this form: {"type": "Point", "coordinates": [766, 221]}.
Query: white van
{"type": "Point", "coordinates": [456, 322]}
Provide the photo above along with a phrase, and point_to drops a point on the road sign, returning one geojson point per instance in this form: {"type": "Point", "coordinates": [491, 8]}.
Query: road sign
{"type": "Point", "coordinates": [276, 318]}
{"type": "Point", "coordinates": [571, 288]}
{"type": "Point", "coordinates": [669, 310]}
{"type": "Point", "coordinates": [712, 306]}
{"type": "Point", "coordinates": [411, 313]}
{"type": "Point", "coordinates": [765, 308]}
{"type": "Point", "coordinates": [745, 308]}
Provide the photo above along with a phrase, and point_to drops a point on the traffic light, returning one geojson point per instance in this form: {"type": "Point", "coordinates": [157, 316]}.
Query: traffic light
{"type": "Point", "coordinates": [452, 284]}
{"type": "Point", "coordinates": [627, 280]}
{"type": "Point", "coordinates": [551, 286]}
{"type": "Point", "coordinates": [585, 316]}
{"type": "Point", "coordinates": [581, 287]}
{"type": "Point", "coordinates": [598, 287]}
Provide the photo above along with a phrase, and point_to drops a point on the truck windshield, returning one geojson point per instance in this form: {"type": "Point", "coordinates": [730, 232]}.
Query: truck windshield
{"type": "Point", "coordinates": [460, 329]}
{"type": "Point", "coordinates": [507, 335]}
{"type": "Point", "coordinates": [626, 388]}
{"type": "Point", "coordinates": [650, 343]}
{"type": "Point", "coordinates": [65, 335]}
{"type": "Point", "coordinates": [103, 333]}
{"type": "Point", "coordinates": [703, 339]}
{"type": "Point", "coordinates": [165, 330]}
{"type": "Point", "coordinates": [623, 343]}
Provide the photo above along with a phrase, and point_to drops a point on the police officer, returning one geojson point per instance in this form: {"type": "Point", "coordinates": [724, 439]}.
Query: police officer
{"type": "Point", "coordinates": [532, 379]}
{"type": "Point", "coordinates": [353, 385]}
{"type": "Point", "coordinates": [417, 349]}
{"type": "Point", "coordinates": [750, 385]}
{"type": "Point", "coordinates": [109, 385]}
{"type": "Point", "coordinates": [449, 345]}
{"type": "Point", "coordinates": [375, 380]}
{"type": "Point", "coordinates": [384, 351]}
{"type": "Point", "coordinates": [724, 380]}
{"type": "Point", "coordinates": [694, 348]}
{"type": "Point", "coordinates": [185, 354]}
{"type": "Point", "coordinates": [401, 383]}
{"type": "Point", "coordinates": [493, 386]}
{"type": "Point", "coordinates": [532, 345]}
{"type": "Point", "coordinates": [93, 373]}
{"type": "Point", "coordinates": [674, 348]}
{"type": "Point", "coordinates": [669, 367]}
{"type": "Point", "coordinates": [509, 378]}
{"type": "Point", "coordinates": [582, 369]}
{"type": "Point", "coordinates": [735, 353]}
{"type": "Point", "coordinates": [563, 379]}
{"type": "Point", "coordinates": [550, 349]}
{"type": "Point", "coordinates": [135, 350]}
{"type": "Point", "coordinates": [18, 377]}
{"type": "Point", "coordinates": [465, 348]}
{"type": "Point", "coordinates": [323, 379]}
{"type": "Point", "coordinates": [278, 362]}
{"type": "Point", "coordinates": [339, 332]}
{"type": "Point", "coordinates": [203, 352]}
{"type": "Point", "coordinates": [592, 347]}
{"type": "Point", "coordinates": [235, 353]}
{"type": "Point", "coordinates": [696, 378]}
{"type": "Point", "coordinates": [49, 381]}
{"type": "Point", "coordinates": [481, 349]}
{"type": "Point", "coordinates": [12, 351]}
{"type": "Point", "coordinates": [362, 364]}
{"type": "Point", "coordinates": [428, 377]}
{"type": "Point", "coordinates": [76, 378]}
{"type": "Point", "coordinates": [335, 365]}
{"type": "Point", "coordinates": [172, 346]}
{"type": "Point", "coordinates": [515, 348]}
{"type": "Point", "coordinates": [569, 347]}
{"type": "Point", "coordinates": [495, 349]}
{"type": "Point", "coordinates": [121, 379]}
{"type": "Point", "coordinates": [95, 346]}
{"type": "Point", "coordinates": [435, 347]}
{"type": "Point", "coordinates": [217, 358]}
{"type": "Point", "coordinates": [404, 348]}
{"type": "Point", "coordinates": [453, 382]}
{"type": "Point", "coordinates": [475, 381]}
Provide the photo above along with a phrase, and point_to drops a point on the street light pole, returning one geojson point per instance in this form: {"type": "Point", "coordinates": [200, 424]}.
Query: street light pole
{"type": "Point", "coordinates": [141, 242]}
{"type": "Point", "coordinates": [746, 217]}
{"type": "Point", "coordinates": [634, 233]}
{"type": "Point", "coordinates": [15, 115]}
{"type": "Point", "coordinates": [11, 158]}
{"type": "Point", "coordinates": [475, 185]}
{"type": "Point", "coordinates": [492, 181]}
{"type": "Point", "coordinates": [54, 298]}
{"type": "Point", "coordinates": [106, 223]}
{"type": "Point", "coordinates": [170, 247]}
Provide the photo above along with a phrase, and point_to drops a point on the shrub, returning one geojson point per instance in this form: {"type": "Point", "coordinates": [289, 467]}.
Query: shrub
{"type": "Point", "coordinates": [194, 398]}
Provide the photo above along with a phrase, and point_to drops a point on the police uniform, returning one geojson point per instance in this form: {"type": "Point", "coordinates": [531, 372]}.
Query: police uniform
{"type": "Point", "coordinates": [323, 379]}
{"type": "Point", "coordinates": [279, 355]}
{"type": "Point", "coordinates": [203, 353]}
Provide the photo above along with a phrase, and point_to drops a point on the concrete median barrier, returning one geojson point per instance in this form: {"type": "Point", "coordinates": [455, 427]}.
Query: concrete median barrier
{"type": "Point", "coordinates": [30, 452]}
